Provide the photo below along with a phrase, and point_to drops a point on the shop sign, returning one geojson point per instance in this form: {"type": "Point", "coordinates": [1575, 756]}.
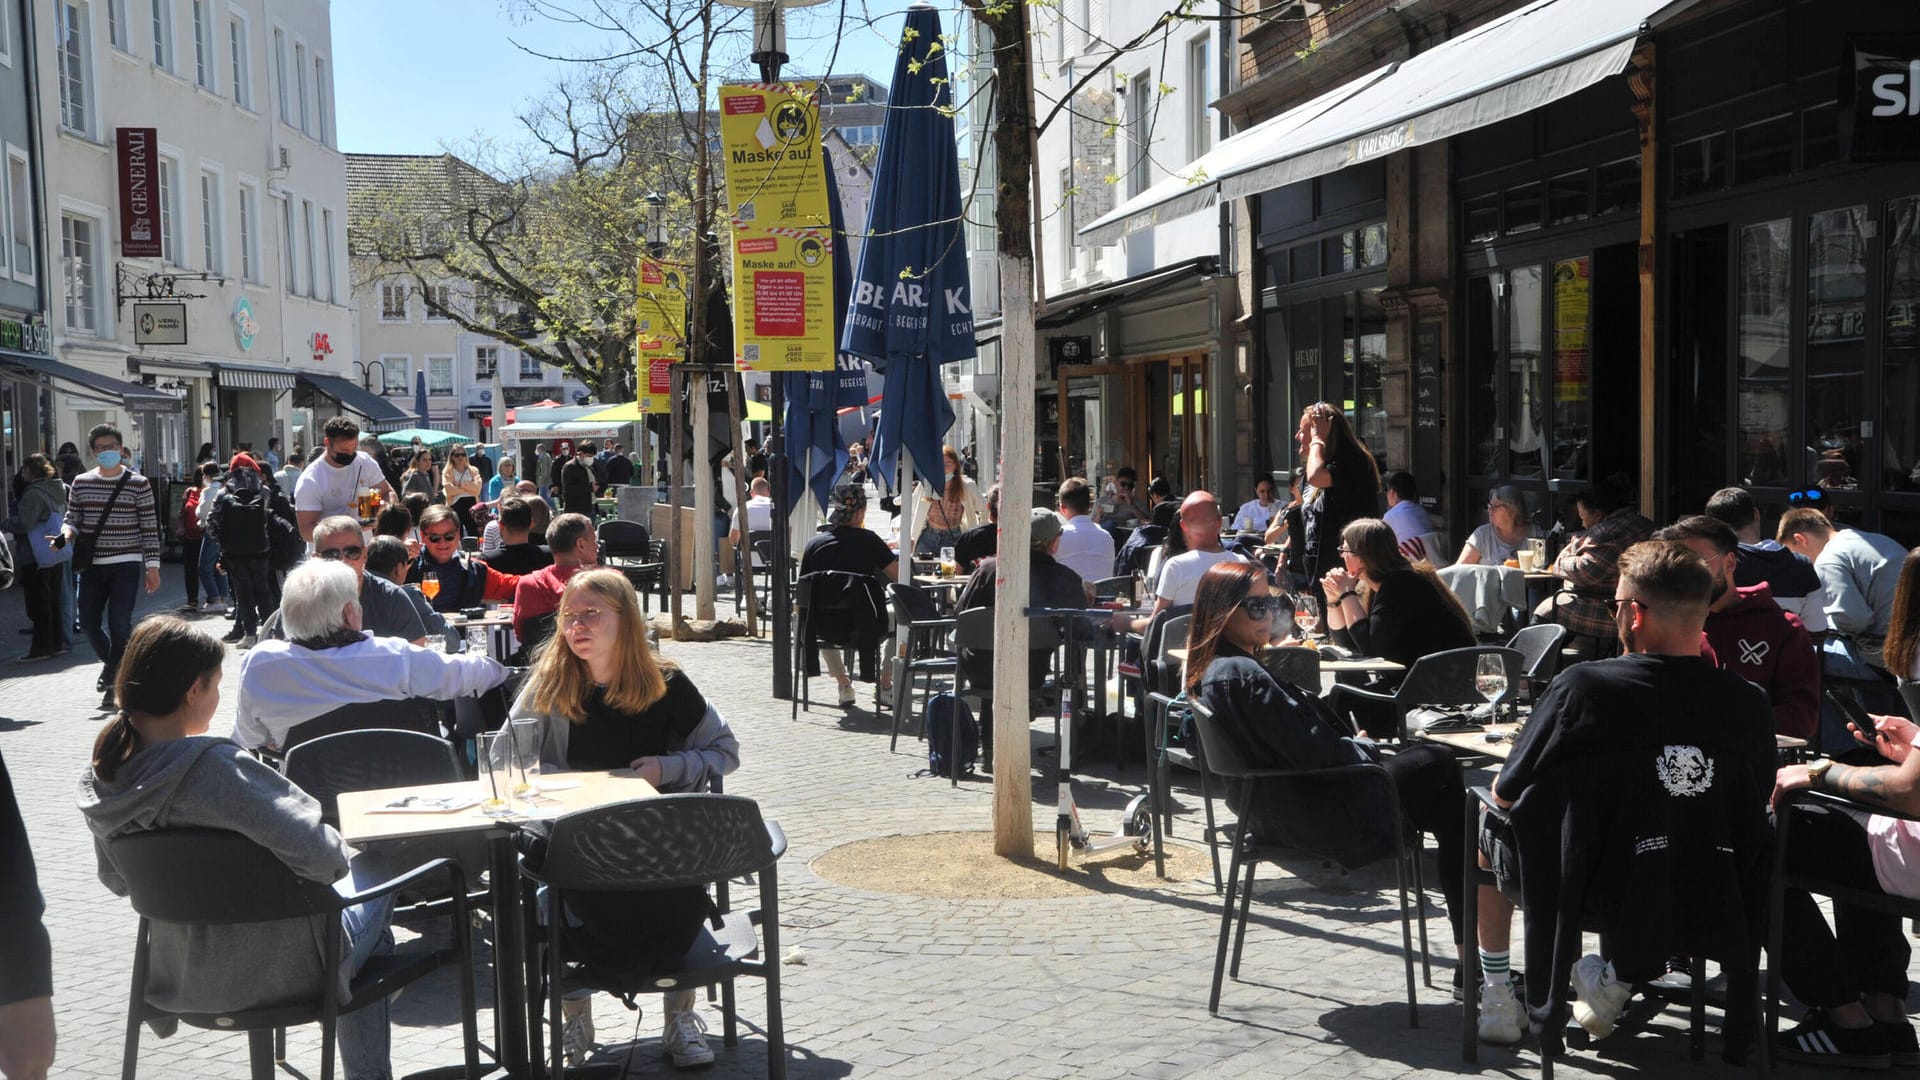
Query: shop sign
{"type": "Point", "coordinates": [515, 396]}
{"type": "Point", "coordinates": [1880, 98]}
{"type": "Point", "coordinates": [25, 336]}
{"type": "Point", "coordinates": [1069, 350]}
{"type": "Point", "coordinates": [159, 324]}
{"type": "Point", "coordinates": [137, 153]}
{"type": "Point", "coordinates": [244, 327]}
{"type": "Point", "coordinates": [782, 240]}
{"type": "Point", "coordinates": [319, 346]}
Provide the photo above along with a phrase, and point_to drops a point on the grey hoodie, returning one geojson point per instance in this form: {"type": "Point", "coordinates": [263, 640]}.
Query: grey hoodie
{"type": "Point", "coordinates": [212, 783]}
{"type": "Point", "coordinates": [43, 498]}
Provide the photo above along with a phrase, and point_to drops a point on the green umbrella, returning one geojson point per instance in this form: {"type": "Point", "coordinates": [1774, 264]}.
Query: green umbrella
{"type": "Point", "coordinates": [434, 440]}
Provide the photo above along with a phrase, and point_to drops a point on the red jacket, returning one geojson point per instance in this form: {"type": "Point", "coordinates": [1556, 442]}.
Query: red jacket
{"type": "Point", "coordinates": [1769, 648]}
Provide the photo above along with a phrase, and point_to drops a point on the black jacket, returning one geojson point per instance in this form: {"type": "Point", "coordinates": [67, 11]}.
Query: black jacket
{"type": "Point", "coordinates": [1411, 616]}
{"type": "Point", "coordinates": [576, 488]}
{"type": "Point", "coordinates": [26, 960]}
{"type": "Point", "coordinates": [238, 522]}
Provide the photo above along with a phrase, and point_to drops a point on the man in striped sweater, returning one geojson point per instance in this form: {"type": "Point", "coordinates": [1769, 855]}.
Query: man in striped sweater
{"type": "Point", "coordinates": [126, 529]}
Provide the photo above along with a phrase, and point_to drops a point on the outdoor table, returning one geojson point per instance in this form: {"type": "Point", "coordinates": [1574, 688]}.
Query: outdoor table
{"type": "Point", "coordinates": [361, 823]}
{"type": "Point", "coordinates": [1363, 665]}
{"type": "Point", "coordinates": [1496, 741]}
{"type": "Point", "coordinates": [945, 590]}
{"type": "Point", "coordinates": [498, 626]}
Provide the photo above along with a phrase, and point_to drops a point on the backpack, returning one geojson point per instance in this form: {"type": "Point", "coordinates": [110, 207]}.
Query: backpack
{"type": "Point", "coordinates": [937, 720]}
{"type": "Point", "coordinates": [285, 548]}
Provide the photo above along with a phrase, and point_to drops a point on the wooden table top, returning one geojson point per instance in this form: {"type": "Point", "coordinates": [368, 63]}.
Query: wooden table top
{"type": "Point", "coordinates": [1496, 740]}
{"type": "Point", "coordinates": [361, 820]}
{"type": "Point", "coordinates": [935, 581]}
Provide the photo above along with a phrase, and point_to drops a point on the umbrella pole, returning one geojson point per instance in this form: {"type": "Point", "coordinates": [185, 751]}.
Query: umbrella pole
{"type": "Point", "coordinates": [782, 547]}
{"type": "Point", "coordinates": [903, 494]}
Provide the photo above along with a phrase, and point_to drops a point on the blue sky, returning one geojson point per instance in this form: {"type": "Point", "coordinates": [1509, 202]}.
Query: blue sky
{"type": "Point", "coordinates": [416, 76]}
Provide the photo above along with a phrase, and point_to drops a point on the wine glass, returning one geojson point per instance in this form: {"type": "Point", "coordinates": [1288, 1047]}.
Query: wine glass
{"type": "Point", "coordinates": [1306, 613]}
{"type": "Point", "coordinates": [1490, 677]}
{"type": "Point", "coordinates": [430, 588]}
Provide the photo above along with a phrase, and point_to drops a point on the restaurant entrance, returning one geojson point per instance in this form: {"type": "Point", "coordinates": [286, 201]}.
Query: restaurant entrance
{"type": "Point", "coordinates": [1151, 413]}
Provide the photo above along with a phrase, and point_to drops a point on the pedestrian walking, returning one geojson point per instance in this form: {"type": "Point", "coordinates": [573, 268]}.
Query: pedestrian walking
{"type": "Point", "coordinates": [116, 535]}
{"type": "Point", "coordinates": [37, 517]}
{"type": "Point", "coordinates": [205, 568]}
{"type": "Point", "coordinates": [239, 524]}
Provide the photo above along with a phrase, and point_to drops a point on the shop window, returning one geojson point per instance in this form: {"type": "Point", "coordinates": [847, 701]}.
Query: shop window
{"type": "Point", "coordinates": [1835, 401]}
{"type": "Point", "coordinates": [1900, 385]}
{"type": "Point", "coordinates": [1303, 352]}
{"type": "Point", "coordinates": [1337, 254]}
{"type": "Point", "coordinates": [1700, 165]}
{"type": "Point", "coordinates": [1572, 367]}
{"type": "Point", "coordinates": [1287, 206]}
{"type": "Point", "coordinates": [1819, 136]}
{"type": "Point", "coordinates": [1483, 393]}
{"type": "Point", "coordinates": [1902, 525]}
{"type": "Point", "coordinates": [1480, 218]}
{"type": "Point", "coordinates": [1373, 246]}
{"type": "Point", "coordinates": [1763, 151]}
{"type": "Point", "coordinates": [1526, 399]}
{"type": "Point", "coordinates": [1765, 324]}
{"type": "Point", "coordinates": [1526, 207]}
{"type": "Point", "coordinates": [1305, 259]}
{"type": "Point", "coordinates": [1616, 186]}
{"type": "Point", "coordinates": [1366, 363]}
{"type": "Point", "coordinates": [1569, 197]}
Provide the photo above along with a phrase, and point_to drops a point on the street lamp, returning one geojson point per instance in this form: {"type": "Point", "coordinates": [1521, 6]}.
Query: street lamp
{"type": "Point", "coordinates": [770, 32]}
{"type": "Point", "coordinates": [656, 225]}
{"type": "Point", "coordinates": [365, 369]}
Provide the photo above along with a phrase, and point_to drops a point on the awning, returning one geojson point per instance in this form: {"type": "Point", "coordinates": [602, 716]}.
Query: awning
{"type": "Point", "coordinates": [178, 369]}
{"type": "Point", "coordinates": [232, 376]}
{"type": "Point", "coordinates": [379, 413]}
{"type": "Point", "coordinates": [1069, 308]}
{"type": "Point", "coordinates": [564, 429]}
{"type": "Point", "coordinates": [1510, 66]}
{"type": "Point", "coordinates": [83, 383]}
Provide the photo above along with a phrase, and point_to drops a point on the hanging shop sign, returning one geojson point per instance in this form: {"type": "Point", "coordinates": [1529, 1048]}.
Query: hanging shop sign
{"type": "Point", "coordinates": [782, 240]}
{"type": "Point", "coordinates": [244, 326]}
{"type": "Point", "coordinates": [137, 152]}
{"type": "Point", "coordinates": [159, 324]}
{"type": "Point", "coordinates": [1880, 98]}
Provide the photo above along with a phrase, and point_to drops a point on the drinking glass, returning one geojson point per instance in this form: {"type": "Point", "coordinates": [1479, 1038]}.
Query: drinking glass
{"type": "Point", "coordinates": [1306, 613]}
{"type": "Point", "coordinates": [948, 564]}
{"type": "Point", "coordinates": [1490, 677]}
{"type": "Point", "coordinates": [527, 735]}
{"type": "Point", "coordinates": [496, 773]}
{"type": "Point", "coordinates": [430, 588]}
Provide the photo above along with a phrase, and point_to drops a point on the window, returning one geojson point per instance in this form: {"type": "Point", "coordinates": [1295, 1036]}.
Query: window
{"type": "Point", "coordinates": [280, 73]}
{"type": "Point", "coordinates": [73, 46]}
{"type": "Point", "coordinates": [6, 44]}
{"type": "Point", "coordinates": [1835, 403]}
{"type": "Point", "coordinates": [306, 235]}
{"type": "Point", "coordinates": [300, 79]}
{"type": "Point", "coordinates": [393, 302]}
{"type": "Point", "coordinates": [326, 235]}
{"type": "Point", "coordinates": [1070, 254]}
{"type": "Point", "coordinates": [213, 248]}
{"type": "Point", "coordinates": [20, 225]}
{"type": "Point", "coordinates": [323, 101]}
{"type": "Point", "coordinates": [79, 252]}
{"type": "Point", "coordinates": [1199, 78]}
{"type": "Point", "coordinates": [162, 33]}
{"type": "Point", "coordinates": [117, 32]}
{"type": "Point", "coordinates": [240, 62]}
{"type": "Point", "coordinates": [286, 244]}
{"type": "Point", "coordinates": [531, 368]}
{"type": "Point", "coordinates": [249, 233]}
{"type": "Point", "coordinates": [439, 374]}
{"type": "Point", "coordinates": [169, 174]}
{"type": "Point", "coordinates": [1139, 95]}
{"type": "Point", "coordinates": [486, 362]}
{"type": "Point", "coordinates": [203, 52]}
{"type": "Point", "coordinates": [398, 374]}
{"type": "Point", "coordinates": [439, 302]}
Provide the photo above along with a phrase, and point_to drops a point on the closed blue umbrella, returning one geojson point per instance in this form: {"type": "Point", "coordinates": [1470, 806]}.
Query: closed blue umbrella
{"type": "Point", "coordinates": [420, 396]}
{"type": "Point", "coordinates": [814, 397]}
{"type": "Point", "coordinates": [911, 309]}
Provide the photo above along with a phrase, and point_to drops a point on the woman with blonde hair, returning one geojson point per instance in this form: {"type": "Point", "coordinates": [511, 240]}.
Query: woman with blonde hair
{"type": "Point", "coordinates": [459, 479]}
{"type": "Point", "coordinates": [955, 509]}
{"type": "Point", "coordinates": [606, 702]}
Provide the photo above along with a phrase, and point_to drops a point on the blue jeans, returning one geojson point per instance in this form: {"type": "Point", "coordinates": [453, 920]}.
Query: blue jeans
{"type": "Point", "coordinates": [365, 1034]}
{"type": "Point", "coordinates": [110, 590]}
{"type": "Point", "coordinates": [213, 587]}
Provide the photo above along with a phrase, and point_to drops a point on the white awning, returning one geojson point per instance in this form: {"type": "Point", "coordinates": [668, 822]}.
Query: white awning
{"type": "Point", "coordinates": [564, 429]}
{"type": "Point", "coordinates": [1510, 66]}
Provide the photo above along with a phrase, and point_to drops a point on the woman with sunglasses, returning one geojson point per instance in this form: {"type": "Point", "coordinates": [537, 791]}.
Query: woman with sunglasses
{"type": "Point", "coordinates": [460, 480]}
{"type": "Point", "coordinates": [1379, 604]}
{"type": "Point", "coordinates": [605, 702]}
{"type": "Point", "coordinates": [464, 581]}
{"type": "Point", "coordinates": [1278, 725]}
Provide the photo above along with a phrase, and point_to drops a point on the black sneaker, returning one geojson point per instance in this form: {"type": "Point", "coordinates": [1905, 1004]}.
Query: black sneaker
{"type": "Point", "coordinates": [233, 636]}
{"type": "Point", "coordinates": [1902, 1042]}
{"type": "Point", "coordinates": [100, 684]}
{"type": "Point", "coordinates": [1818, 1041]}
{"type": "Point", "coordinates": [107, 704]}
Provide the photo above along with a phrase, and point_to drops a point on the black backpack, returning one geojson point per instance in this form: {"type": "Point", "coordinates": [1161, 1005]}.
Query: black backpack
{"type": "Point", "coordinates": [937, 720]}
{"type": "Point", "coordinates": [241, 525]}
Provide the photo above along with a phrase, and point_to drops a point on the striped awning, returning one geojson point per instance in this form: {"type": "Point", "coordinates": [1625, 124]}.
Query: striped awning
{"type": "Point", "coordinates": [233, 376]}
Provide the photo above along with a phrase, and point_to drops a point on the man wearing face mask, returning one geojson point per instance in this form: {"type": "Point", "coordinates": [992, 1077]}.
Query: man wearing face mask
{"type": "Point", "coordinates": [113, 506]}
{"type": "Point", "coordinates": [336, 477]}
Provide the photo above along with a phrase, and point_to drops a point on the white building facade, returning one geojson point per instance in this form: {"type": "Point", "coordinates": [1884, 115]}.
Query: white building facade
{"type": "Point", "coordinates": [245, 189]}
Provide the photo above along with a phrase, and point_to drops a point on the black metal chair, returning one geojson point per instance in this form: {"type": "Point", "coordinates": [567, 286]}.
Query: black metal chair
{"type": "Point", "coordinates": [1539, 649]}
{"type": "Point", "coordinates": [212, 877]}
{"type": "Point", "coordinates": [536, 631]}
{"type": "Point", "coordinates": [973, 640]}
{"type": "Point", "coordinates": [1436, 682]}
{"type": "Point", "coordinates": [367, 760]}
{"type": "Point", "coordinates": [626, 546]}
{"type": "Point", "coordinates": [1225, 758]}
{"type": "Point", "coordinates": [828, 608]}
{"type": "Point", "coordinates": [667, 842]}
{"type": "Point", "coordinates": [404, 714]}
{"type": "Point", "coordinates": [930, 652]}
{"type": "Point", "coordinates": [1172, 709]}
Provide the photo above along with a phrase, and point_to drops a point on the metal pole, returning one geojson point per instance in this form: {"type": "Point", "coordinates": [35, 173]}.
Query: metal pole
{"type": "Point", "coordinates": [782, 545]}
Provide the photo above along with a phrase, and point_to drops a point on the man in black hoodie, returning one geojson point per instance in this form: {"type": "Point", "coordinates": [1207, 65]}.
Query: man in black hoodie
{"type": "Point", "coordinates": [239, 524]}
{"type": "Point", "coordinates": [1795, 586]}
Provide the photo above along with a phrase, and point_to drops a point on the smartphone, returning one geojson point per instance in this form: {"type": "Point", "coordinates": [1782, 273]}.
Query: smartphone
{"type": "Point", "coordinates": [1852, 710]}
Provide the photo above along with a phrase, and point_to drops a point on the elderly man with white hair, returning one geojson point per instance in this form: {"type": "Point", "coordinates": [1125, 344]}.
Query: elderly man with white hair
{"type": "Point", "coordinates": [328, 661]}
{"type": "Point", "coordinates": [385, 608]}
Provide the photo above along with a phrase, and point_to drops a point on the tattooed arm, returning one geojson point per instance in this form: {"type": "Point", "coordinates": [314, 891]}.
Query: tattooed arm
{"type": "Point", "coordinates": [1891, 787]}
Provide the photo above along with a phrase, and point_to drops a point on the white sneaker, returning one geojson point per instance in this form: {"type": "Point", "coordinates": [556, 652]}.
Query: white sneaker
{"type": "Point", "coordinates": [249, 641]}
{"type": "Point", "coordinates": [1599, 997]}
{"type": "Point", "coordinates": [1502, 1021]}
{"type": "Point", "coordinates": [577, 1038]}
{"type": "Point", "coordinates": [725, 582]}
{"type": "Point", "coordinates": [846, 696]}
{"type": "Point", "coordinates": [685, 1040]}
{"type": "Point", "coordinates": [883, 697]}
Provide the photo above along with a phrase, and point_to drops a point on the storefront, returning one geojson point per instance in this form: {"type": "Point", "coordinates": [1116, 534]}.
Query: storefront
{"type": "Point", "coordinates": [248, 396]}
{"type": "Point", "coordinates": [173, 439]}
{"type": "Point", "coordinates": [319, 398]}
{"type": "Point", "coordinates": [26, 404]}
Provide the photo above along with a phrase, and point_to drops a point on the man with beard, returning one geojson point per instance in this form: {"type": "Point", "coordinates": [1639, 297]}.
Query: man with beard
{"type": "Point", "coordinates": [1751, 636]}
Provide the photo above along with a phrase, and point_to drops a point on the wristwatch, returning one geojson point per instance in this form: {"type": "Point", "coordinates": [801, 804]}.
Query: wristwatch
{"type": "Point", "coordinates": [1817, 771]}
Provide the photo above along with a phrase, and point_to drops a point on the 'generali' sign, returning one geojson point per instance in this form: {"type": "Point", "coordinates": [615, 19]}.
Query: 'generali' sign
{"type": "Point", "coordinates": [138, 154]}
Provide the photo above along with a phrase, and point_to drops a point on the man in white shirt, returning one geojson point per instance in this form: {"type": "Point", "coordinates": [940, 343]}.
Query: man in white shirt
{"type": "Point", "coordinates": [1199, 522]}
{"type": "Point", "coordinates": [336, 477]}
{"type": "Point", "coordinates": [759, 510]}
{"type": "Point", "coordinates": [289, 474]}
{"type": "Point", "coordinates": [1085, 548]}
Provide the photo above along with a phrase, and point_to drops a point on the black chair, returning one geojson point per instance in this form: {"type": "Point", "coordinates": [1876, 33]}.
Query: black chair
{"type": "Point", "coordinates": [973, 640]}
{"type": "Point", "coordinates": [1910, 693]}
{"type": "Point", "coordinates": [367, 760]}
{"type": "Point", "coordinates": [1539, 649]}
{"type": "Point", "coordinates": [536, 631]}
{"type": "Point", "coordinates": [402, 714]}
{"type": "Point", "coordinates": [833, 609]}
{"type": "Point", "coordinates": [929, 655]}
{"type": "Point", "coordinates": [212, 877]}
{"type": "Point", "coordinates": [627, 547]}
{"type": "Point", "coordinates": [1172, 710]}
{"type": "Point", "coordinates": [667, 842]}
{"type": "Point", "coordinates": [1225, 758]}
{"type": "Point", "coordinates": [1436, 683]}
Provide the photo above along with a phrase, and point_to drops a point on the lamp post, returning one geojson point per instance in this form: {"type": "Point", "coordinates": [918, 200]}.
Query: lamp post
{"type": "Point", "coordinates": [365, 370]}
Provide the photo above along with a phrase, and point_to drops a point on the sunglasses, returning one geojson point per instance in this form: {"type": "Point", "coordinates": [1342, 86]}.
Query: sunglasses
{"type": "Point", "coordinates": [1806, 495]}
{"type": "Point", "coordinates": [1614, 604]}
{"type": "Point", "coordinates": [441, 538]}
{"type": "Point", "coordinates": [1262, 607]}
{"type": "Point", "coordinates": [350, 552]}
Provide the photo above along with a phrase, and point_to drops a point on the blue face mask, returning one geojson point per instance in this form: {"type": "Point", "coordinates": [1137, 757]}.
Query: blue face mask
{"type": "Point", "coordinates": [108, 459]}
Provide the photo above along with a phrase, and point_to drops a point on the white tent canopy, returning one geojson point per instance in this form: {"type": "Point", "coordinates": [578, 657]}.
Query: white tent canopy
{"type": "Point", "coordinates": [564, 429]}
{"type": "Point", "coordinates": [1510, 66]}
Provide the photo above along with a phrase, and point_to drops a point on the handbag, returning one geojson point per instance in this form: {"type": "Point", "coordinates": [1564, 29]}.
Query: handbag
{"type": "Point", "coordinates": [85, 543]}
{"type": "Point", "coordinates": [40, 542]}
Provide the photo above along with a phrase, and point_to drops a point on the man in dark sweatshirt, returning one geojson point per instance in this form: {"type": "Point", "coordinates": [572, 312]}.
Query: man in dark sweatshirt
{"type": "Point", "coordinates": [1751, 636]}
{"type": "Point", "coordinates": [1796, 588]}
{"type": "Point", "coordinates": [26, 965]}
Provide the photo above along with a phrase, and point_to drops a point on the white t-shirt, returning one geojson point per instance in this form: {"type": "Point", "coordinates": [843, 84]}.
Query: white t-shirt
{"type": "Point", "coordinates": [1252, 517]}
{"type": "Point", "coordinates": [330, 489]}
{"type": "Point", "coordinates": [1493, 550]}
{"type": "Point", "coordinates": [1408, 520]}
{"type": "Point", "coordinates": [1086, 549]}
{"type": "Point", "coordinates": [1181, 576]}
{"type": "Point", "coordinates": [759, 514]}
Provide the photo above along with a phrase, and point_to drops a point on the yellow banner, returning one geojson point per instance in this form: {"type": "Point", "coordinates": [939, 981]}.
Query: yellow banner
{"type": "Point", "coordinates": [660, 307]}
{"type": "Point", "coordinates": [782, 242]}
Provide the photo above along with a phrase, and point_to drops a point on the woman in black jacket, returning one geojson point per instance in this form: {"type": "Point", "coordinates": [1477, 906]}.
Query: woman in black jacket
{"type": "Point", "coordinates": [1379, 604]}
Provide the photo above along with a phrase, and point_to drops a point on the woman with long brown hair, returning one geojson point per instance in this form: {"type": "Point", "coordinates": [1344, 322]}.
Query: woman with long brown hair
{"type": "Point", "coordinates": [1277, 725]}
{"type": "Point", "coordinates": [1342, 483]}
{"type": "Point", "coordinates": [1901, 649]}
{"type": "Point", "coordinates": [1379, 604]}
{"type": "Point", "coordinates": [957, 508]}
{"type": "Point", "coordinates": [607, 703]}
{"type": "Point", "coordinates": [420, 475]}
{"type": "Point", "coordinates": [40, 500]}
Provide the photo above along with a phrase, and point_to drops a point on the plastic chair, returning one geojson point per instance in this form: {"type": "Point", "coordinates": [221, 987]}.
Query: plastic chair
{"type": "Point", "coordinates": [667, 842]}
{"type": "Point", "coordinates": [930, 651]}
{"type": "Point", "coordinates": [367, 760]}
{"type": "Point", "coordinates": [1539, 649]}
{"type": "Point", "coordinates": [212, 877]}
{"type": "Point", "coordinates": [1224, 757]}
{"type": "Point", "coordinates": [420, 715]}
{"type": "Point", "coordinates": [973, 638]}
{"type": "Point", "coordinates": [627, 547]}
{"type": "Point", "coordinates": [1437, 681]}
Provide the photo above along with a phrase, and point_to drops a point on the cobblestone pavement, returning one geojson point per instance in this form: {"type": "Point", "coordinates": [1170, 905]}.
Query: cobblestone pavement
{"type": "Point", "coordinates": [1106, 984]}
